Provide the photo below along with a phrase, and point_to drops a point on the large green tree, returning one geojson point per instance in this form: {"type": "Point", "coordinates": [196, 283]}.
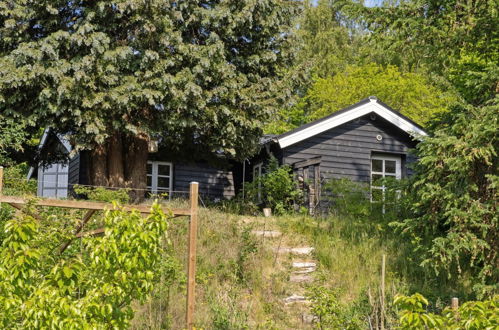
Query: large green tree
{"type": "Point", "coordinates": [453, 195]}
{"type": "Point", "coordinates": [203, 74]}
{"type": "Point", "coordinates": [455, 39]}
{"type": "Point", "coordinates": [413, 94]}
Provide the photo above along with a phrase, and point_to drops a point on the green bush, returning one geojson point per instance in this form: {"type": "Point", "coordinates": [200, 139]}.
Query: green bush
{"type": "Point", "coordinates": [101, 194]}
{"type": "Point", "coordinates": [276, 188]}
{"type": "Point", "coordinates": [472, 315]}
{"type": "Point", "coordinates": [452, 198]}
{"type": "Point", "coordinates": [91, 289]}
{"type": "Point", "coordinates": [329, 312]}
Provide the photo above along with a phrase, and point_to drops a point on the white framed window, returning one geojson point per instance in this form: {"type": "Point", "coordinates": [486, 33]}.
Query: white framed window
{"type": "Point", "coordinates": [257, 172]}
{"type": "Point", "coordinates": [159, 177]}
{"type": "Point", "coordinates": [382, 167]}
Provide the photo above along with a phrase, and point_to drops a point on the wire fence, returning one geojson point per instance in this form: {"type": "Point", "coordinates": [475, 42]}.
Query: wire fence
{"type": "Point", "coordinates": [162, 195]}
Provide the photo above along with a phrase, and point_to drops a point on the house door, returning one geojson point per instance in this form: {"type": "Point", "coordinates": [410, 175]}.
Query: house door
{"type": "Point", "coordinates": [309, 178]}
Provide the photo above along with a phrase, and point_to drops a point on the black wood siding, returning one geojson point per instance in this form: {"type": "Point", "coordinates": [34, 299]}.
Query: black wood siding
{"type": "Point", "coordinates": [346, 150]}
{"type": "Point", "coordinates": [213, 183]}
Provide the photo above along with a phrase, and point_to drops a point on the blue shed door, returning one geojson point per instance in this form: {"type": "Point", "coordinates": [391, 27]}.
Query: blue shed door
{"type": "Point", "coordinates": [53, 181]}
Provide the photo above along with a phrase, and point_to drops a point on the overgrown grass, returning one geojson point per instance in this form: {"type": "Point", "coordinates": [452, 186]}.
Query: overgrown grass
{"type": "Point", "coordinates": [239, 286]}
{"type": "Point", "coordinates": [350, 252]}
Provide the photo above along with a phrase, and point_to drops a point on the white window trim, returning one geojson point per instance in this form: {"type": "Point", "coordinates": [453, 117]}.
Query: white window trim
{"type": "Point", "coordinates": [258, 167]}
{"type": "Point", "coordinates": [154, 177]}
{"type": "Point", "coordinates": [398, 173]}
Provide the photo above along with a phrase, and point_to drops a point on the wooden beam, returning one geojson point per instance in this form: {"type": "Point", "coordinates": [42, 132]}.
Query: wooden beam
{"type": "Point", "coordinates": [307, 163]}
{"type": "Point", "coordinates": [78, 229]}
{"type": "Point", "coordinates": [86, 205]}
{"type": "Point", "coordinates": [20, 208]}
{"type": "Point", "coordinates": [1, 180]}
{"type": "Point", "coordinates": [94, 232]}
{"type": "Point", "coordinates": [191, 272]}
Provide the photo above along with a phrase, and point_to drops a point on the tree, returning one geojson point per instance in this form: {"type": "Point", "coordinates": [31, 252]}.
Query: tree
{"type": "Point", "coordinates": [116, 75]}
{"type": "Point", "coordinates": [453, 221]}
{"type": "Point", "coordinates": [455, 39]}
{"type": "Point", "coordinates": [12, 136]}
{"type": "Point", "coordinates": [328, 40]}
{"type": "Point", "coordinates": [410, 93]}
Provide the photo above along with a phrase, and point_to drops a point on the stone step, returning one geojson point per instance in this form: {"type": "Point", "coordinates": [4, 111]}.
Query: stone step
{"type": "Point", "coordinates": [301, 278]}
{"type": "Point", "coordinates": [267, 233]}
{"type": "Point", "coordinates": [309, 318]}
{"type": "Point", "coordinates": [307, 270]}
{"type": "Point", "coordinates": [304, 264]}
{"type": "Point", "coordinates": [296, 299]}
{"type": "Point", "coordinates": [297, 250]}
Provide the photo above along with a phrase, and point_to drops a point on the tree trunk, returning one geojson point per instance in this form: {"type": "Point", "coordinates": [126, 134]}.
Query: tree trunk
{"type": "Point", "coordinates": [98, 166]}
{"type": "Point", "coordinates": [136, 170]}
{"type": "Point", "coordinates": [120, 163]}
{"type": "Point", "coordinates": [115, 161]}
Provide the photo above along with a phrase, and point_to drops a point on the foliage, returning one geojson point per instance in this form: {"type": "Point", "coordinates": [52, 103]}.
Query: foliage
{"type": "Point", "coordinates": [453, 198]}
{"type": "Point", "coordinates": [276, 188]}
{"type": "Point", "coordinates": [330, 313]}
{"type": "Point", "coordinates": [102, 194]}
{"type": "Point", "coordinates": [12, 136]}
{"type": "Point", "coordinates": [347, 198]}
{"type": "Point", "coordinates": [412, 94]}
{"type": "Point", "coordinates": [40, 289]}
{"type": "Point", "coordinates": [328, 40]}
{"type": "Point", "coordinates": [455, 39]}
{"type": "Point", "coordinates": [205, 74]}
{"type": "Point", "coordinates": [248, 247]}
{"type": "Point", "coordinates": [470, 315]}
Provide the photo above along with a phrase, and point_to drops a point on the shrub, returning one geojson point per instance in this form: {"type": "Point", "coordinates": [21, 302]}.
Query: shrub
{"type": "Point", "coordinates": [471, 315]}
{"type": "Point", "coordinates": [329, 312]}
{"type": "Point", "coordinates": [453, 198]}
{"type": "Point", "coordinates": [41, 289]}
{"type": "Point", "coordinates": [276, 188]}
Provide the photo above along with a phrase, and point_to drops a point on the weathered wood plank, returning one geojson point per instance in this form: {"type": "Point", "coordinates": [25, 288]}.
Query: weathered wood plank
{"type": "Point", "coordinates": [308, 162]}
{"type": "Point", "coordinates": [86, 205]}
{"type": "Point", "coordinates": [83, 222]}
{"type": "Point", "coordinates": [94, 232]}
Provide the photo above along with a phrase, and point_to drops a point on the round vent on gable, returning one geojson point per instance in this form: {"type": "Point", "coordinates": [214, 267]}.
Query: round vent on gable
{"type": "Point", "coordinates": [379, 137]}
{"type": "Point", "coordinates": [372, 116]}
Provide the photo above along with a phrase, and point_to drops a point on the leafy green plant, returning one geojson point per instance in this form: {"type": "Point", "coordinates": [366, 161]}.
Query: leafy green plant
{"type": "Point", "coordinates": [329, 312]}
{"type": "Point", "coordinates": [91, 289]}
{"type": "Point", "coordinates": [472, 315]}
{"type": "Point", "coordinates": [102, 194]}
{"type": "Point", "coordinates": [452, 198]}
{"type": "Point", "coordinates": [276, 188]}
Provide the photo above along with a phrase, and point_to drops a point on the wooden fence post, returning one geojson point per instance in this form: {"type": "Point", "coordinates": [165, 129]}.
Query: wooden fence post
{"type": "Point", "coordinates": [1, 180]}
{"type": "Point", "coordinates": [191, 275]}
{"type": "Point", "coordinates": [383, 260]}
{"type": "Point", "coordinates": [1, 183]}
{"type": "Point", "coordinates": [454, 304]}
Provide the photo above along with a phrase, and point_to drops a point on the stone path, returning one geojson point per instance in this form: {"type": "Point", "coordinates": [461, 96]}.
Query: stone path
{"type": "Point", "coordinates": [301, 272]}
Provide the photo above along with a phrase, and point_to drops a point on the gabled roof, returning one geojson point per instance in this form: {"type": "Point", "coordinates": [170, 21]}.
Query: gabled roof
{"type": "Point", "coordinates": [364, 107]}
{"type": "Point", "coordinates": [46, 133]}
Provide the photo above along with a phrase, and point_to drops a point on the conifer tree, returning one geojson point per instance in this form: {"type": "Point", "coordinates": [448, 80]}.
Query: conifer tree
{"type": "Point", "coordinates": [117, 74]}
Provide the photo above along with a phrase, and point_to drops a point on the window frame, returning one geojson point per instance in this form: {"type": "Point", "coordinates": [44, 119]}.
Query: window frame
{"type": "Point", "coordinates": [154, 188]}
{"type": "Point", "coordinates": [258, 167]}
{"type": "Point", "coordinates": [397, 174]}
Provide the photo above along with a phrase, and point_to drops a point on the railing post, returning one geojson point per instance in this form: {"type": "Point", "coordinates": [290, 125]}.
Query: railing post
{"type": "Point", "coordinates": [1, 183]}
{"type": "Point", "coordinates": [191, 274]}
{"type": "Point", "coordinates": [1, 180]}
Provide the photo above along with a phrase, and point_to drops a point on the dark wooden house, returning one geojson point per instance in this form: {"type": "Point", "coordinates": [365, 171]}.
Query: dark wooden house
{"type": "Point", "coordinates": [164, 175]}
{"type": "Point", "coordinates": [363, 142]}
